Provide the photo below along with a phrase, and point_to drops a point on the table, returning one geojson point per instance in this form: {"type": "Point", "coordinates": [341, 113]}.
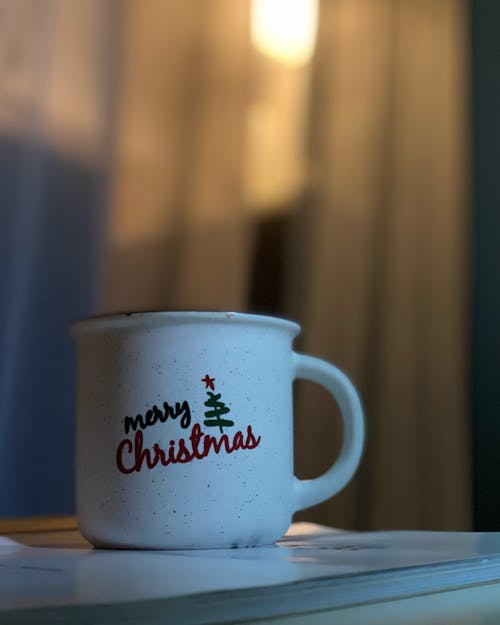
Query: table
{"type": "Point", "coordinates": [317, 575]}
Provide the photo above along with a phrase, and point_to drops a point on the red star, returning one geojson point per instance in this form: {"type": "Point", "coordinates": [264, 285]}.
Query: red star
{"type": "Point", "coordinates": [209, 382]}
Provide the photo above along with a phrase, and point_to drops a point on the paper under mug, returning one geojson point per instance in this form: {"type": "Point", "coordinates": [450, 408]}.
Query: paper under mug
{"type": "Point", "coordinates": [185, 429]}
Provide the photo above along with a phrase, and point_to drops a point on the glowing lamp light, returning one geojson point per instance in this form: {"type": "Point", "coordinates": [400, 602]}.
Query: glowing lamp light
{"type": "Point", "coordinates": [285, 30]}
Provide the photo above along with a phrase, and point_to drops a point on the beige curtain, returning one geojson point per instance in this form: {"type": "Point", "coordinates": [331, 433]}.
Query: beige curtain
{"type": "Point", "coordinates": [55, 63]}
{"type": "Point", "coordinates": [359, 158]}
{"type": "Point", "coordinates": [383, 272]}
{"type": "Point", "coordinates": [179, 233]}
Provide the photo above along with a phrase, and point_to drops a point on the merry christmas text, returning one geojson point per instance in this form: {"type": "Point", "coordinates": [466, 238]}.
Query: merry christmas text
{"type": "Point", "coordinates": [131, 456]}
{"type": "Point", "coordinates": [153, 416]}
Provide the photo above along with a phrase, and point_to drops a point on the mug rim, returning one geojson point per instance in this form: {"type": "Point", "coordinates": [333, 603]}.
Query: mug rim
{"type": "Point", "coordinates": [135, 319]}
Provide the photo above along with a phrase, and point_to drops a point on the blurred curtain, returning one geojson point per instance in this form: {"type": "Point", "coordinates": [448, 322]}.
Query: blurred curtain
{"type": "Point", "coordinates": [334, 192]}
{"type": "Point", "coordinates": [179, 232]}
{"type": "Point", "coordinates": [382, 281]}
{"type": "Point", "coordinates": [55, 71]}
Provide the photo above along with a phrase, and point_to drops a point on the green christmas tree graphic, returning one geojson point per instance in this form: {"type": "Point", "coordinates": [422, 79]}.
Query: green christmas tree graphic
{"type": "Point", "coordinates": [217, 407]}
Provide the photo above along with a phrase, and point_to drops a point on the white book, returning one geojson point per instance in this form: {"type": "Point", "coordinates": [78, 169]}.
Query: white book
{"type": "Point", "coordinates": [58, 577]}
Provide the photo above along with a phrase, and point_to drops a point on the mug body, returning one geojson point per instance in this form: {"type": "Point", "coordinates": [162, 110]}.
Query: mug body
{"type": "Point", "coordinates": [184, 429]}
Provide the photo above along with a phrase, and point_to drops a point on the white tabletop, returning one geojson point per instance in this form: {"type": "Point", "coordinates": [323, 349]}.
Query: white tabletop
{"type": "Point", "coordinates": [316, 574]}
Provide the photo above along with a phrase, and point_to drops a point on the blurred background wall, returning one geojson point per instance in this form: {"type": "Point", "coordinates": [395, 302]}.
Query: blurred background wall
{"type": "Point", "coordinates": [308, 159]}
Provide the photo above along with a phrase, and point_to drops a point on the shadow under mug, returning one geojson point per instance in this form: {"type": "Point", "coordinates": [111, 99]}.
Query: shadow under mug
{"type": "Point", "coordinates": [185, 429]}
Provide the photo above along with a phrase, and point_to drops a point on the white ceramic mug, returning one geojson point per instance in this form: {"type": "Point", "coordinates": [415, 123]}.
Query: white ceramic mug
{"type": "Point", "coordinates": [185, 429]}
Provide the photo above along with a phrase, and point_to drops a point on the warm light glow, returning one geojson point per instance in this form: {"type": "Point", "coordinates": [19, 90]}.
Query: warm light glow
{"type": "Point", "coordinates": [285, 29]}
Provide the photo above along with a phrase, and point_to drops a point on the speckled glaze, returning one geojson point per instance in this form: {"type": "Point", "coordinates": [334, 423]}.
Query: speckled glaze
{"type": "Point", "coordinates": [128, 364]}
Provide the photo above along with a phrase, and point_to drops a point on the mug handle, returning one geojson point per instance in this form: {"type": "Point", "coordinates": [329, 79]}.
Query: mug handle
{"type": "Point", "coordinates": [310, 492]}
